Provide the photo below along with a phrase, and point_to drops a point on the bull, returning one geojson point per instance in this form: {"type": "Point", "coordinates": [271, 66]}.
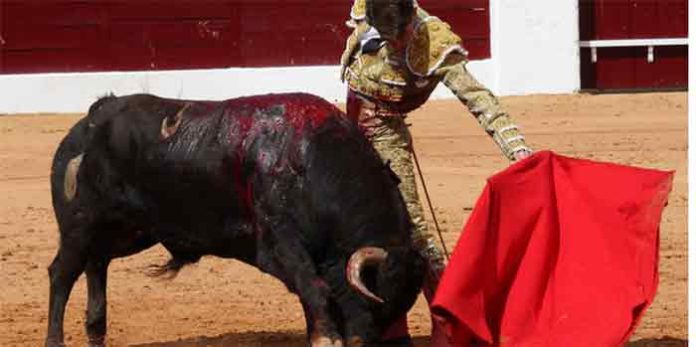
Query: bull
{"type": "Point", "coordinates": [283, 182]}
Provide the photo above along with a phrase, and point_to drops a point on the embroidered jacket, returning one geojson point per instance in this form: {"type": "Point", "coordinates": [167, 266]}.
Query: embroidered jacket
{"type": "Point", "coordinates": [402, 81]}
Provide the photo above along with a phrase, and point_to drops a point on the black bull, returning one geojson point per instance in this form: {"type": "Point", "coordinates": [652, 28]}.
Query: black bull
{"type": "Point", "coordinates": [283, 182]}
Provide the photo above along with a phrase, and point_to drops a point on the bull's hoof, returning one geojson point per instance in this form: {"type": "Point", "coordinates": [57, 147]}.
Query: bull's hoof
{"type": "Point", "coordinates": [54, 343]}
{"type": "Point", "coordinates": [323, 341]}
{"type": "Point", "coordinates": [97, 341]}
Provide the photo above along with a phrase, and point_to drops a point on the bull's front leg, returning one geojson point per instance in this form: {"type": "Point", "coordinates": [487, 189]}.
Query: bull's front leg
{"type": "Point", "coordinates": [359, 325]}
{"type": "Point", "coordinates": [282, 255]}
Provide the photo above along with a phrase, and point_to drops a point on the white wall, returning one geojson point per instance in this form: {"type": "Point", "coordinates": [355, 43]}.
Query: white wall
{"type": "Point", "coordinates": [533, 47]}
{"type": "Point", "coordinates": [74, 92]}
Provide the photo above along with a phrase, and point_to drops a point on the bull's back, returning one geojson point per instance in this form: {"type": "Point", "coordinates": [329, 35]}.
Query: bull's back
{"type": "Point", "coordinates": [300, 111]}
{"type": "Point", "coordinates": [197, 169]}
{"type": "Point", "coordinates": [234, 122]}
{"type": "Point", "coordinates": [160, 135]}
{"type": "Point", "coordinates": [182, 150]}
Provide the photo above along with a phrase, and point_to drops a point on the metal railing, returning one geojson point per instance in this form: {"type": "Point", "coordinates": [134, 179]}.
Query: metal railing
{"type": "Point", "coordinates": [649, 43]}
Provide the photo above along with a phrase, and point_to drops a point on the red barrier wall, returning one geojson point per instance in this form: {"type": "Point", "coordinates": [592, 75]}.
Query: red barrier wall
{"type": "Point", "coordinates": [628, 67]}
{"type": "Point", "coordinates": [80, 36]}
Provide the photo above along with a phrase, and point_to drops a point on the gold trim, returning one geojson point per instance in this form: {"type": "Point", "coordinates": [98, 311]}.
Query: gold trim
{"type": "Point", "coordinates": [431, 44]}
{"type": "Point", "coordinates": [357, 12]}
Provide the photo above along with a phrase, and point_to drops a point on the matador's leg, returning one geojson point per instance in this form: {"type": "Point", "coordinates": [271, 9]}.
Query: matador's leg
{"type": "Point", "coordinates": [392, 140]}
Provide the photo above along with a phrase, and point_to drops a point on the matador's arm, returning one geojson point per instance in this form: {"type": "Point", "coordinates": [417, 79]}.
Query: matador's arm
{"type": "Point", "coordinates": [483, 105]}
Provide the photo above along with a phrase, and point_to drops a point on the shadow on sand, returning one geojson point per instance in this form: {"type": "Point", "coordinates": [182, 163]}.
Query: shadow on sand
{"type": "Point", "coordinates": [663, 342]}
{"type": "Point", "coordinates": [265, 339]}
{"type": "Point", "coordinates": [297, 339]}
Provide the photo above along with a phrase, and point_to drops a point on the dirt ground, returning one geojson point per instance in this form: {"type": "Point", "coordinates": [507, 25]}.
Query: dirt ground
{"type": "Point", "coordinates": [225, 303]}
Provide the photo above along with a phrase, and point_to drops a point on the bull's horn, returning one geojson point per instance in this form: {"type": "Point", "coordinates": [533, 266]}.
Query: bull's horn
{"type": "Point", "coordinates": [361, 257]}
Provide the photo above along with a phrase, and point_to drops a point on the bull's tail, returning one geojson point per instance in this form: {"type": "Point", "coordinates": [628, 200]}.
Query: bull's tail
{"type": "Point", "coordinates": [67, 161]}
{"type": "Point", "coordinates": [171, 268]}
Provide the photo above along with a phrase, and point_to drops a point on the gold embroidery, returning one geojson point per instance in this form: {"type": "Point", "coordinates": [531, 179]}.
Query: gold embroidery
{"type": "Point", "coordinates": [432, 42]}
{"type": "Point", "coordinates": [358, 10]}
{"type": "Point", "coordinates": [352, 46]}
{"type": "Point", "coordinates": [376, 77]}
{"type": "Point", "coordinates": [486, 108]}
{"type": "Point", "coordinates": [388, 75]}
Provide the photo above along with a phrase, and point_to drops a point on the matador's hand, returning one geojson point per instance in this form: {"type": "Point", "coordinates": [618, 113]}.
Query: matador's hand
{"type": "Point", "coordinates": [522, 154]}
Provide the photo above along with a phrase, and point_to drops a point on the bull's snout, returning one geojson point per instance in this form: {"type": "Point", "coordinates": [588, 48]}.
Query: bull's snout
{"type": "Point", "coordinates": [365, 256]}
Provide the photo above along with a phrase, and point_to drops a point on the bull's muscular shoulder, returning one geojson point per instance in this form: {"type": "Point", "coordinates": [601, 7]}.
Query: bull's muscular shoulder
{"type": "Point", "coordinates": [432, 43]}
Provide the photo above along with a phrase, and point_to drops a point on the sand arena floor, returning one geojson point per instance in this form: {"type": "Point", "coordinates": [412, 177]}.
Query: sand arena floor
{"type": "Point", "coordinates": [225, 303]}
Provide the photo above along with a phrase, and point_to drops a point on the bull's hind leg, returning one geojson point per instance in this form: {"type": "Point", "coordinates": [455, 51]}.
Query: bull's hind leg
{"type": "Point", "coordinates": [66, 267]}
{"type": "Point", "coordinates": [116, 241]}
{"type": "Point", "coordinates": [285, 257]}
{"type": "Point", "coordinates": [80, 251]}
{"type": "Point", "coordinates": [95, 324]}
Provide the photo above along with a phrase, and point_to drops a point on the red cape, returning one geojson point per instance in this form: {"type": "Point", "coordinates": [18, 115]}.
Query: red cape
{"type": "Point", "coordinates": [557, 252]}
